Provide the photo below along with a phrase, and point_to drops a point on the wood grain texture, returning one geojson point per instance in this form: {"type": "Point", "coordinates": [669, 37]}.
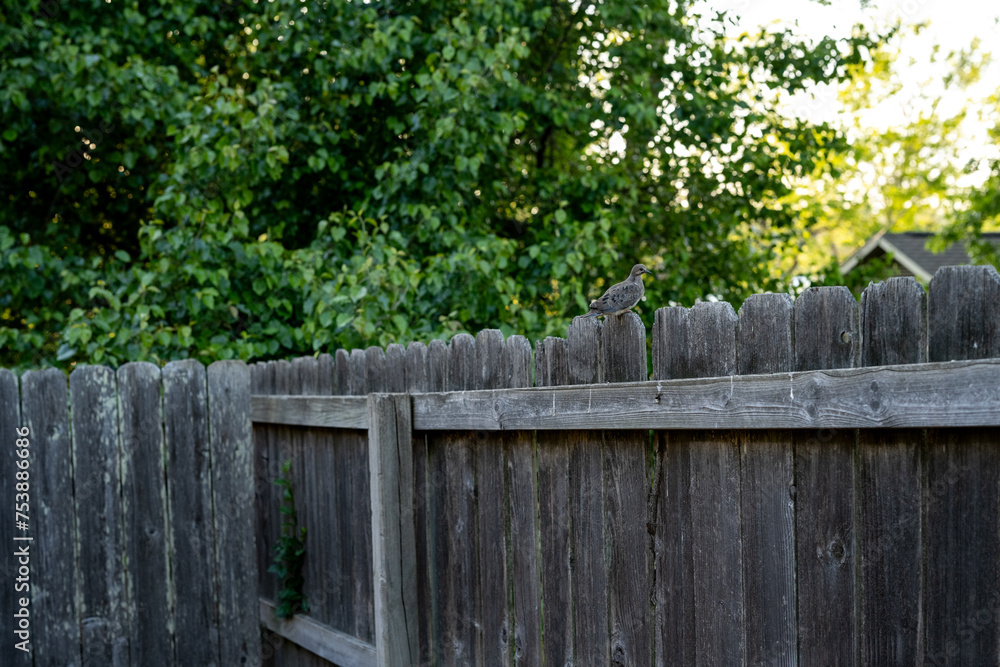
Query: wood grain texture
{"type": "Point", "coordinates": [150, 590]}
{"type": "Point", "coordinates": [232, 496]}
{"type": "Point", "coordinates": [322, 411]}
{"type": "Point", "coordinates": [826, 329]}
{"type": "Point", "coordinates": [97, 494]}
{"type": "Point", "coordinates": [894, 323]}
{"type": "Point", "coordinates": [963, 473]}
{"type": "Point", "coordinates": [395, 368]}
{"type": "Point", "coordinates": [54, 608]}
{"type": "Point", "coordinates": [262, 378]}
{"type": "Point", "coordinates": [10, 421]}
{"type": "Point", "coordinates": [764, 335]}
{"type": "Point", "coordinates": [524, 637]}
{"type": "Point", "coordinates": [589, 578]}
{"type": "Point", "coordinates": [390, 459]}
{"type": "Point", "coordinates": [417, 380]}
{"type": "Point", "coordinates": [491, 510]}
{"type": "Point", "coordinates": [711, 461]}
{"type": "Point", "coordinates": [356, 484]}
{"type": "Point", "coordinates": [767, 494]}
{"type": "Point", "coordinates": [890, 483]}
{"type": "Point", "coordinates": [321, 640]}
{"type": "Point", "coordinates": [626, 487]}
{"type": "Point", "coordinates": [963, 393]}
{"type": "Point", "coordinates": [826, 336]}
{"type": "Point", "coordinates": [554, 515]}
{"type": "Point", "coordinates": [963, 307]}
{"type": "Point", "coordinates": [189, 506]}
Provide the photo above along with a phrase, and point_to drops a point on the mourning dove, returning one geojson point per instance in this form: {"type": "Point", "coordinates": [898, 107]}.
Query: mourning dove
{"type": "Point", "coordinates": [621, 297]}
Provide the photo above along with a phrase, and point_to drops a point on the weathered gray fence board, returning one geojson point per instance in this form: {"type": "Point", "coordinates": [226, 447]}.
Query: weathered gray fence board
{"type": "Point", "coordinates": [764, 335]}
{"type": "Point", "coordinates": [304, 483]}
{"type": "Point", "coordinates": [325, 411]}
{"type": "Point", "coordinates": [589, 581]}
{"type": "Point", "coordinates": [320, 643]}
{"type": "Point", "coordinates": [962, 544]}
{"type": "Point", "coordinates": [893, 323]}
{"type": "Point", "coordinates": [417, 381]}
{"type": "Point", "coordinates": [391, 479]}
{"type": "Point", "coordinates": [97, 495]}
{"type": "Point", "coordinates": [767, 497]}
{"type": "Point", "coordinates": [10, 421]}
{"type": "Point", "coordinates": [150, 589]}
{"type": "Point", "coordinates": [459, 639]}
{"type": "Point", "coordinates": [714, 463]}
{"type": "Point", "coordinates": [266, 469]}
{"type": "Point", "coordinates": [890, 486]}
{"type": "Point", "coordinates": [355, 475]}
{"type": "Point", "coordinates": [189, 506]}
{"type": "Point", "coordinates": [55, 614]}
{"type": "Point", "coordinates": [519, 450]}
{"type": "Point", "coordinates": [964, 393]}
{"type": "Point", "coordinates": [963, 311]}
{"type": "Point", "coordinates": [338, 582]}
{"type": "Point", "coordinates": [626, 480]}
{"type": "Point", "coordinates": [491, 509]}
{"type": "Point", "coordinates": [826, 336]}
{"type": "Point", "coordinates": [551, 368]}
{"type": "Point", "coordinates": [232, 497]}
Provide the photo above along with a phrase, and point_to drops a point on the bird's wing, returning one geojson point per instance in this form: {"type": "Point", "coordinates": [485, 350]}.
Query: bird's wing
{"type": "Point", "coordinates": [619, 297]}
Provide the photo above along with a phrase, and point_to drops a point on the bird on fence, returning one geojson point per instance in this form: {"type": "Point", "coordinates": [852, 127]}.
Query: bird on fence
{"type": "Point", "coordinates": [621, 297]}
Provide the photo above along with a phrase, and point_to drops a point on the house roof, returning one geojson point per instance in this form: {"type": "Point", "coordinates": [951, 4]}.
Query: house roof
{"type": "Point", "coordinates": [909, 251]}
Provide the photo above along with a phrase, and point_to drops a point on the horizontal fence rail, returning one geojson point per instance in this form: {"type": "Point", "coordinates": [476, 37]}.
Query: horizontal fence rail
{"type": "Point", "coordinates": [802, 482]}
{"type": "Point", "coordinates": [958, 393]}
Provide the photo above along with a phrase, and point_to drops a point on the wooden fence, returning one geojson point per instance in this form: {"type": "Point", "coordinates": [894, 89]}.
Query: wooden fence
{"type": "Point", "coordinates": [134, 542]}
{"type": "Point", "coordinates": [810, 482]}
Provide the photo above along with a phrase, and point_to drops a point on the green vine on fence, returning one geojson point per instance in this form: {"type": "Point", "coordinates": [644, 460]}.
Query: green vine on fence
{"type": "Point", "coordinates": [289, 552]}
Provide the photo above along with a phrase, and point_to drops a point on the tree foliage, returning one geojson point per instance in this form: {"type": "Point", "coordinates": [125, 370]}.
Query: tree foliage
{"type": "Point", "coordinates": [260, 179]}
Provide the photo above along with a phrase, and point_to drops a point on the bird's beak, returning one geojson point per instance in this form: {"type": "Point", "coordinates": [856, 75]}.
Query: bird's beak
{"type": "Point", "coordinates": [647, 272]}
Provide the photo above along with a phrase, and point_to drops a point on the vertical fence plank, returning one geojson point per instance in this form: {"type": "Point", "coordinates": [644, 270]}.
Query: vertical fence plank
{"type": "Point", "coordinates": [458, 533]}
{"type": "Point", "coordinates": [963, 472]}
{"type": "Point", "coordinates": [712, 460]}
{"type": "Point", "coordinates": [523, 559]}
{"type": "Point", "coordinates": [359, 500]}
{"type": "Point", "coordinates": [626, 487]}
{"type": "Point", "coordinates": [893, 323]}
{"type": "Point", "coordinates": [232, 475]}
{"type": "Point", "coordinates": [150, 589]}
{"type": "Point", "coordinates": [826, 336]}
{"type": "Point", "coordinates": [552, 369]}
{"type": "Point", "coordinates": [10, 421]}
{"type": "Point", "coordinates": [672, 538]}
{"type": "Point", "coordinates": [303, 380]}
{"type": "Point", "coordinates": [417, 381]}
{"type": "Point", "coordinates": [390, 452]}
{"type": "Point", "coordinates": [491, 509]}
{"type": "Point", "coordinates": [890, 485]}
{"type": "Point", "coordinates": [335, 474]}
{"type": "Point", "coordinates": [97, 489]}
{"type": "Point", "coordinates": [395, 368]}
{"type": "Point", "coordinates": [55, 614]}
{"type": "Point", "coordinates": [189, 507]}
{"type": "Point", "coordinates": [764, 345]}
{"type": "Point", "coordinates": [589, 578]}
{"type": "Point", "coordinates": [263, 376]}
{"type": "Point", "coordinates": [963, 312]}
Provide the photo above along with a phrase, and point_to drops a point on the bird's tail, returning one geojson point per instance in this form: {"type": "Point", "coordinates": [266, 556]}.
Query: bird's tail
{"type": "Point", "coordinates": [592, 313]}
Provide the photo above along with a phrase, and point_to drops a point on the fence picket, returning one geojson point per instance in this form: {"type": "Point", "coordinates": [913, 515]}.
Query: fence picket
{"type": "Point", "coordinates": [150, 589]}
{"type": "Point", "coordinates": [826, 336]}
{"type": "Point", "coordinates": [189, 506]}
{"type": "Point", "coordinates": [491, 506]}
{"type": "Point", "coordinates": [764, 345]}
{"type": "Point", "coordinates": [10, 421]}
{"type": "Point", "coordinates": [962, 544]}
{"type": "Point", "coordinates": [232, 494]}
